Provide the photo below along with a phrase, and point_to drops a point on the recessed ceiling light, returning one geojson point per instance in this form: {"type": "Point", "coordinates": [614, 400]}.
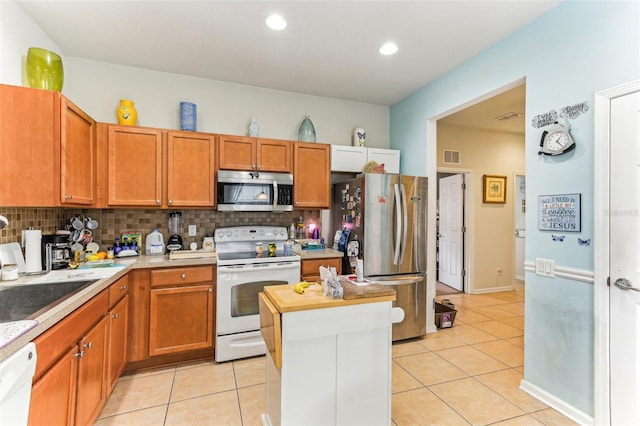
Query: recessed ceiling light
{"type": "Point", "coordinates": [276, 22]}
{"type": "Point", "coordinates": [388, 48]}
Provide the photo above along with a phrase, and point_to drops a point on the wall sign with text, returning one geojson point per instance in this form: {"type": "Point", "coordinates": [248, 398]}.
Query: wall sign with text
{"type": "Point", "coordinates": [559, 212]}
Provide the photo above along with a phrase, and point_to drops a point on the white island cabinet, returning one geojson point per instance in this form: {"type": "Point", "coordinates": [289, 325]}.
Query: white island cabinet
{"type": "Point", "coordinates": [329, 361]}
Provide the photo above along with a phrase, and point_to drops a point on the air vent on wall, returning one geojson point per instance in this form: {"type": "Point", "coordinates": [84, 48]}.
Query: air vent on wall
{"type": "Point", "coordinates": [451, 157]}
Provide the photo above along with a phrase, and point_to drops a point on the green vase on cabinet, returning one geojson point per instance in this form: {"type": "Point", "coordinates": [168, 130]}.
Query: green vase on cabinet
{"type": "Point", "coordinates": [127, 114]}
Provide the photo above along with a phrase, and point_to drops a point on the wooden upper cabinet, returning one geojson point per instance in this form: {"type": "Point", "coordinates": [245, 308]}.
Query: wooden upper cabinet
{"type": "Point", "coordinates": [274, 155]}
{"type": "Point", "coordinates": [311, 175]}
{"type": "Point", "coordinates": [77, 155]}
{"type": "Point", "coordinates": [49, 147]}
{"type": "Point", "coordinates": [134, 170]}
{"type": "Point", "coordinates": [190, 169]}
{"type": "Point", "coordinates": [246, 153]}
{"type": "Point", "coordinates": [237, 152]}
{"type": "Point", "coordinates": [27, 149]}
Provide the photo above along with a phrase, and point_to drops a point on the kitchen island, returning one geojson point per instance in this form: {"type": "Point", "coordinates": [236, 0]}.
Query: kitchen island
{"type": "Point", "coordinates": [328, 360]}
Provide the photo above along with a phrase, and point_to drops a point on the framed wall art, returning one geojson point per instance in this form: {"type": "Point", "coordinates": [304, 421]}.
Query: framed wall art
{"type": "Point", "coordinates": [559, 212]}
{"type": "Point", "coordinates": [494, 189]}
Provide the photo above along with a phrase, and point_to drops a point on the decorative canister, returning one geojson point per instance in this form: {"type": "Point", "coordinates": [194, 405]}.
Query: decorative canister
{"type": "Point", "coordinates": [306, 131]}
{"type": "Point", "coordinates": [127, 114]}
{"type": "Point", "coordinates": [188, 116]}
{"type": "Point", "coordinates": [253, 128]}
{"type": "Point", "coordinates": [272, 249]}
{"type": "Point", "coordinates": [259, 248]}
{"type": "Point", "coordinates": [359, 137]}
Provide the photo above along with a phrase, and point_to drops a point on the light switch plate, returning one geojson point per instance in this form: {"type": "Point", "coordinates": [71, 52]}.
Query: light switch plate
{"type": "Point", "coordinates": [192, 230]}
{"type": "Point", "coordinates": [545, 267]}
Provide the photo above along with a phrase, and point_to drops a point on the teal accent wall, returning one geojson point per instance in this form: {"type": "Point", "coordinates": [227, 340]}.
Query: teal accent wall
{"type": "Point", "coordinates": [574, 50]}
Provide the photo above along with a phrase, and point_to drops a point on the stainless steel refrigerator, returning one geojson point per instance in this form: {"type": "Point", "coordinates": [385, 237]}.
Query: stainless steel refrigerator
{"type": "Point", "coordinates": [384, 218]}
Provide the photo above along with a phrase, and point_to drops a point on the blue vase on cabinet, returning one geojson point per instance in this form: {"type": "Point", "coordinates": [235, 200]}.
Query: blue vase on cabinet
{"type": "Point", "coordinates": [306, 131]}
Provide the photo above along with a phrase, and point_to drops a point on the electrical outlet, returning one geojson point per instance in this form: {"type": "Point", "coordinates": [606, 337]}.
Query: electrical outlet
{"type": "Point", "coordinates": [545, 267]}
{"type": "Point", "coordinates": [192, 230]}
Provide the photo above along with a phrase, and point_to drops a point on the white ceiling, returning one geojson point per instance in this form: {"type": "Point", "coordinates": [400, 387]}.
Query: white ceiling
{"type": "Point", "coordinates": [483, 114]}
{"type": "Point", "coordinates": [330, 48]}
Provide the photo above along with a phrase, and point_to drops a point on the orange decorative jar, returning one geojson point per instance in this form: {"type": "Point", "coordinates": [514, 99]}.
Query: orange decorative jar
{"type": "Point", "coordinates": [127, 114]}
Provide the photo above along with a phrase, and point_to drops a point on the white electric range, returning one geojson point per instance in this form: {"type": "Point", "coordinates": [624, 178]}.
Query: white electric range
{"type": "Point", "coordinates": [242, 274]}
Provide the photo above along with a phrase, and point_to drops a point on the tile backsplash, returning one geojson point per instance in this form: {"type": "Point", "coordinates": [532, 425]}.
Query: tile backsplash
{"type": "Point", "coordinates": [113, 222]}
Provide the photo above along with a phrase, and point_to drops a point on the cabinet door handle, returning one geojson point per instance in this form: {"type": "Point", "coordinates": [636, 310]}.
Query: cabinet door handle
{"type": "Point", "coordinates": [210, 289]}
{"type": "Point", "coordinates": [87, 345]}
{"type": "Point", "coordinates": [183, 276]}
{"type": "Point", "coordinates": [157, 201]}
{"type": "Point", "coordinates": [79, 354]}
{"type": "Point", "coordinates": [170, 201]}
{"type": "Point", "coordinates": [115, 316]}
{"type": "Point", "coordinates": [123, 288]}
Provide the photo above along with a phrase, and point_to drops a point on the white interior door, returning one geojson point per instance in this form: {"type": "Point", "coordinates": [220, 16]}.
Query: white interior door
{"type": "Point", "coordinates": [450, 231]}
{"type": "Point", "coordinates": [520, 222]}
{"type": "Point", "coordinates": [624, 261]}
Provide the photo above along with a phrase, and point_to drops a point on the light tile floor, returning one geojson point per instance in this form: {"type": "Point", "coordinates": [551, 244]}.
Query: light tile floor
{"type": "Point", "coordinates": [467, 374]}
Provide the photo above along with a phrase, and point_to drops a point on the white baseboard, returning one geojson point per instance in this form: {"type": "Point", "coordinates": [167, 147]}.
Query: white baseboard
{"type": "Point", "coordinates": [557, 404]}
{"type": "Point", "coordinates": [492, 289]}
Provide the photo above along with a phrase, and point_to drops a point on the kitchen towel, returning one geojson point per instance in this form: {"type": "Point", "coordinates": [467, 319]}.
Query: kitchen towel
{"type": "Point", "coordinates": [32, 250]}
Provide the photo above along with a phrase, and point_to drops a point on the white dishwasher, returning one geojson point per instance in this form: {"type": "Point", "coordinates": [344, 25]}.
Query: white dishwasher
{"type": "Point", "coordinates": [16, 373]}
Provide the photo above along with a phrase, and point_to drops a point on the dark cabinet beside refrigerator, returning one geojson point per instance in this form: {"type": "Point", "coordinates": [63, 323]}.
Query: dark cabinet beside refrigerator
{"type": "Point", "coordinates": [387, 215]}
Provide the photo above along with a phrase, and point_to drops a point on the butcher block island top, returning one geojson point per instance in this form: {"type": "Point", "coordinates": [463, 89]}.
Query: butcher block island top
{"type": "Point", "coordinates": [285, 299]}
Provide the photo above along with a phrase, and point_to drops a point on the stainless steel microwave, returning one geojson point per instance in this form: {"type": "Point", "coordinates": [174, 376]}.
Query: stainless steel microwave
{"type": "Point", "coordinates": [254, 191]}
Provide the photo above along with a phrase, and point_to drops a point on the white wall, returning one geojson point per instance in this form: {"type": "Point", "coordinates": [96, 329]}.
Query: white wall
{"type": "Point", "coordinates": [492, 225]}
{"type": "Point", "coordinates": [18, 32]}
{"type": "Point", "coordinates": [223, 107]}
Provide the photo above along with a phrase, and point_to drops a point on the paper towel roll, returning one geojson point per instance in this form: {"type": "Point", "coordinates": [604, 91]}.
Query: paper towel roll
{"type": "Point", "coordinates": [32, 253]}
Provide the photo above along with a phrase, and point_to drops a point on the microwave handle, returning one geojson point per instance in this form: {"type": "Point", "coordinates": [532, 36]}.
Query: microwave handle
{"type": "Point", "coordinates": [275, 194]}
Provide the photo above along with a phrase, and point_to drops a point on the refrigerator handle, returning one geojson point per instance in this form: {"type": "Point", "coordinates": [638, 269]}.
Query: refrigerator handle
{"type": "Point", "coordinates": [405, 225]}
{"type": "Point", "coordinates": [396, 249]}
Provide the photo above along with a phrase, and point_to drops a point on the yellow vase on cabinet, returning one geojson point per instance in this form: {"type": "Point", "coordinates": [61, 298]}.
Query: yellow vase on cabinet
{"type": "Point", "coordinates": [127, 114]}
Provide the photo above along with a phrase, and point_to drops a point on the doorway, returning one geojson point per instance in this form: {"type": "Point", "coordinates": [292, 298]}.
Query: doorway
{"type": "Point", "coordinates": [450, 233]}
{"type": "Point", "coordinates": [486, 138]}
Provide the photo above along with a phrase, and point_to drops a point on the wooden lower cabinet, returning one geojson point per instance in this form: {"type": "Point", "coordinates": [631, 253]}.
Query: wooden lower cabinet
{"type": "Point", "coordinates": [180, 319]}
{"type": "Point", "coordinates": [52, 401]}
{"type": "Point", "coordinates": [171, 316]}
{"type": "Point", "coordinates": [117, 352]}
{"type": "Point", "coordinates": [91, 393]}
{"type": "Point", "coordinates": [80, 359]}
{"type": "Point", "coordinates": [69, 383]}
{"type": "Point", "coordinates": [309, 268]}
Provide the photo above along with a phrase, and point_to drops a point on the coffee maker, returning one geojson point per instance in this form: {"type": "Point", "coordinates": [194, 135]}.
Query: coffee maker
{"type": "Point", "coordinates": [175, 230]}
{"type": "Point", "coordinates": [59, 249]}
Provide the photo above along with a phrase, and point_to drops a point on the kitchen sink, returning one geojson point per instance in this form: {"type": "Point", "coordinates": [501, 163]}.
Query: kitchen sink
{"type": "Point", "coordinates": [28, 301]}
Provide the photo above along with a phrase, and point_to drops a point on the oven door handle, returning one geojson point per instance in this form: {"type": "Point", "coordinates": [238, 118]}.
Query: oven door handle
{"type": "Point", "coordinates": [260, 267]}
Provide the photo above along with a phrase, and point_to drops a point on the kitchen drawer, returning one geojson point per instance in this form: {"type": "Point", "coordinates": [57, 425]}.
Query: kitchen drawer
{"type": "Point", "coordinates": [309, 268]}
{"type": "Point", "coordinates": [57, 340]}
{"type": "Point", "coordinates": [117, 290]}
{"type": "Point", "coordinates": [179, 276]}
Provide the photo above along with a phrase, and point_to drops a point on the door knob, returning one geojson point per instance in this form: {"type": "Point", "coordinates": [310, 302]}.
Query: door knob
{"type": "Point", "coordinates": [625, 284]}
